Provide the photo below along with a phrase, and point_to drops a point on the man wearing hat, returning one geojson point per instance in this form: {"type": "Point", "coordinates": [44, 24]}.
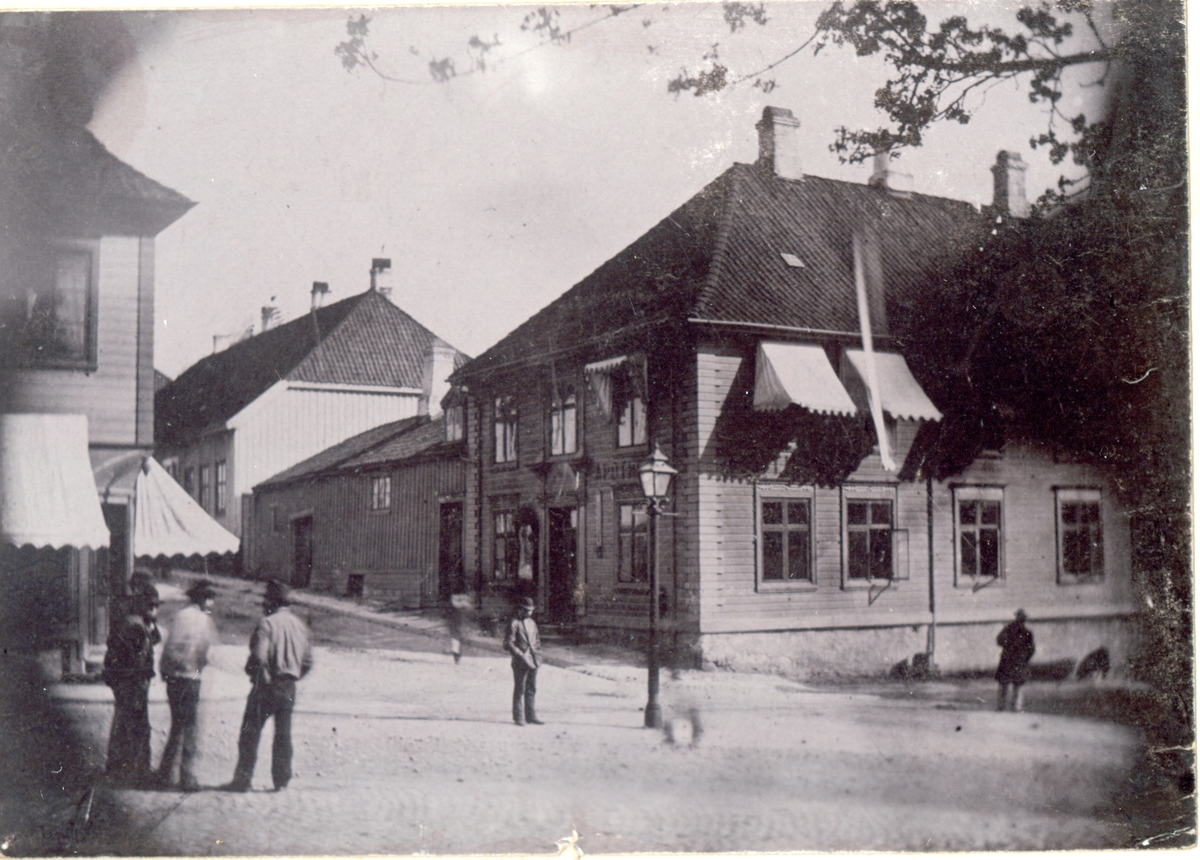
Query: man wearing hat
{"type": "Point", "coordinates": [128, 669]}
{"type": "Point", "coordinates": [192, 633]}
{"type": "Point", "coordinates": [523, 643]}
{"type": "Point", "coordinates": [280, 655]}
{"type": "Point", "coordinates": [1016, 650]}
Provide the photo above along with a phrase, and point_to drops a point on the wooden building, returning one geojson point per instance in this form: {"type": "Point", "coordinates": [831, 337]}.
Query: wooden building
{"type": "Point", "coordinates": [240, 416]}
{"type": "Point", "coordinates": [76, 362]}
{"type": "Point", "coordinates": [379, 515]}
{"type": "Point", "coordinates": [747, 335]}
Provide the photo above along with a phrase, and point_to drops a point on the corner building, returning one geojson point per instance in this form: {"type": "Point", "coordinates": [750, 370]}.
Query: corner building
{"type": "Point", "coordinates": [744, 335]}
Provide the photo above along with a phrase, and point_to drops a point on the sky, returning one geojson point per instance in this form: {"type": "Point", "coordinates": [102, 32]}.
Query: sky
{"type": "Point", "coordinates": [493, 193]}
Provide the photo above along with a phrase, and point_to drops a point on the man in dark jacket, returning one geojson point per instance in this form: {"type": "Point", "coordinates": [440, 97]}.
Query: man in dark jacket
{"type": "Point", "coordinates": [280, 655]}
{"type": "Point", "coordinates": [523, 643]}
{"type": "Point", "coordinates": [1016, 650]}
{"type": "Point", "coordinates": [128, 668]}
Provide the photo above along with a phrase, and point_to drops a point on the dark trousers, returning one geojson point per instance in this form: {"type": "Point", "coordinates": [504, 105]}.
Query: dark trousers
{"type": "Point", "coordinates": [524, 691]}
{"type": "Point", "coordinates": [183, 695]}
{"type": "Point", "coordinates": [129, 741]}
{"type": "Point", "coordinates": [277, 700]}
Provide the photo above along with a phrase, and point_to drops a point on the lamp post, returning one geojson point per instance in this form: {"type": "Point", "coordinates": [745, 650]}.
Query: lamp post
{"type": "Point", "coordinates": [656, 474]}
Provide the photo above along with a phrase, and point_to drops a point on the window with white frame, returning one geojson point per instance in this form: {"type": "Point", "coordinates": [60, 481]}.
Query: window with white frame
{"type": "Point", "coordinates": [505, 419]}
{"type": "Point", "coordinates": [381, 493]}
{"type": "Point", "coordinates": [979, 534]}
{"type": "Point", "coordinates": [869, 524]}
{"type": "Point", "coordinates": [785, 540]}
{"type": "Point", "coordinates": [454, 423]}
{"type": "Point", "coordinates": [633, 536]}
{"type": "Point", "coordinates": [631, 419]}
{"type": "Point", "coordinates": [206, 488]}
{"type": "Point", "coordinates": [1080, 535]}
{"type": "Point", "coordinates": [562, 423]}
{"type": "Point", "coordinates": [222, 487]}
{"type": "Point", "coordinates": [506, 549]}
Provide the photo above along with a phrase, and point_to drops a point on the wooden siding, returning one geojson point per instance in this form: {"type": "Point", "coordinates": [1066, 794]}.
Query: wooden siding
{"type": "Point", "coordinates": [108, 396]}
{"type": "Point", "coordinates": [145, 343]}
{"type": "Point", "coordinates": [396, 551]}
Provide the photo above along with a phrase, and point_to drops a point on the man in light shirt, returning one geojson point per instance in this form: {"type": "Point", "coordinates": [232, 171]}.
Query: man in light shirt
{"type": "Point", "coordinates": [280, 655]}
{"type": "Point", "coordinates": [185, 655]}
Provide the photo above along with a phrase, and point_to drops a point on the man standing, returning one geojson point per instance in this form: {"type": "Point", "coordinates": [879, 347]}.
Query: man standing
{"type": "Point", "coordinates": [128, 668]}
{"type": "Point", "coordinates": [280, 655]}
{"type": "Point", "coordinates": [523, 643]}
{"type": "Point", "coordinates": [1016, 650]}
{"type": "Point", "coordinates": [184, 656]}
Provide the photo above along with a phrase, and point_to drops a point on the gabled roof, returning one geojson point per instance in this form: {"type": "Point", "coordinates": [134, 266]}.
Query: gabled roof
{"type": "Point", "coordinates": [718, 258]}
{"type": "Point", "coordinates": [361, 340]}
{"type": "Point", "coordinates": [387, 445]}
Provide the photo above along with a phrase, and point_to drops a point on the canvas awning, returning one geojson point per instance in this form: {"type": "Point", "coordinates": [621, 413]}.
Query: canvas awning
{"type": "Point", "coordinates": [799, 373]}
{"type": "Point", "coordinates": [599, 375]}
{"type": "Point", "coordinates": [900, 395]}
{"type": "Point", "coordinates": [169, 522]}
{"type": "Point", "coordinates": [47, 492]}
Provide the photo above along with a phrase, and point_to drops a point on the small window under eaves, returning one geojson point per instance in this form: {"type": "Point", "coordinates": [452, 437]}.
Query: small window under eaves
{"type": "Point", "coordinates": [792, 260]}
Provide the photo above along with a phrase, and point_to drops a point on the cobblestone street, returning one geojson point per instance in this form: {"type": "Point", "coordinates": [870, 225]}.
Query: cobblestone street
{"type": "Point", "coordinates": [401, 751]}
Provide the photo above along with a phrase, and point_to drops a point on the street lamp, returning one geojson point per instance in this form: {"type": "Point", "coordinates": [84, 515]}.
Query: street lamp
{"type": "Point", "coordinates": [656, 474]}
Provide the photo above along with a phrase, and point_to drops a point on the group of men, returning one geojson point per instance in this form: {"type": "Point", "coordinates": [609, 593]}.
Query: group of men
{"type": "Point", "coordinates": [280, 655]}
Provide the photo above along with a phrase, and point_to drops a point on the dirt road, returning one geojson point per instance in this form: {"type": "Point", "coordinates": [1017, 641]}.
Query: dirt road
{"type": "Point", "coordinates": [398, 750]}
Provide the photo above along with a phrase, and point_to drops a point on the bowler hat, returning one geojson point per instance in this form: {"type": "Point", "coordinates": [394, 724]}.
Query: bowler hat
{"type": "Point", "coordinates": [201, 590]}
{"type": "Point", "coordinates": [527, 603]}
{"type": "Point", "coordinates": [277, 593]}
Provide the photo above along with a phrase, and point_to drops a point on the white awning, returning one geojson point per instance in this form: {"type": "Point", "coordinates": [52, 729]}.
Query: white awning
{"type": "Point", "coordinates": [599, 375]}
{"type": "Point", "coordinates": [47, 493]}
{"type": "Point", "coordinates": [787, 373]}
{"type": "Point", "coordinates": [900, 395]}
{"type": "Point", "coordinates": [169, 522]}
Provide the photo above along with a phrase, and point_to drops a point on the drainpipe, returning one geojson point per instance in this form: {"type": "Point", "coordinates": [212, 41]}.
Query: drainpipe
{"type": "Point", "coordinates": [931, 646]}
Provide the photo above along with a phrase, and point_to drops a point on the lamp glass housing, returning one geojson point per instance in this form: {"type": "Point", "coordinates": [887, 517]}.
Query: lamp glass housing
{"type": "Point", "coordinates": [656, 474]}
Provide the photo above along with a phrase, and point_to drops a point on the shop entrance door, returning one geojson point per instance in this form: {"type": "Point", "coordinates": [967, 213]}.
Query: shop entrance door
{"type": "Point", "coordinates": [564, 528]}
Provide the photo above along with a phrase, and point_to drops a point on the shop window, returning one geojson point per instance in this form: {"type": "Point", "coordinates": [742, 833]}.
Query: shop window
{"type": "Point", "coordinates": [206, 488]}
{"type": "Point", "coordinates": [505, 545]}
{"type": "Point", "coordinates": [1080, 536]}
{"type": "Point", "coordinates": [979, 535]}
{"type": "Point", "coordinates": [505, 418]}
{"type": "Point", "coordinates": [633, 533]}
{"type": "Point", "coordinates": [562, 424]}
{"type": "Point", "coordinates": [785, 541]}
{"type": "Point", "coordinates": [381, 493]}
{"type": "Point", "coordinates": [222, 487]}
{"type": "Point", "coordinates": [454, 424]}
{"type": "Point", "coordinates": [869, 554]}
{"type": "Point", "coordinates": [48, 303]}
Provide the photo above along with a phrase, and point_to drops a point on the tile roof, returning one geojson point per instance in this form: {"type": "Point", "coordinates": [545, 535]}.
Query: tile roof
{"type": "Point", "coordinates": [337, 455]}
{"type": "Point", "coordinates": [364, 340]}
{"type": "Point", "coordinates": [387, 445]}
{"type": "Point", "coordinates": [718, 258]}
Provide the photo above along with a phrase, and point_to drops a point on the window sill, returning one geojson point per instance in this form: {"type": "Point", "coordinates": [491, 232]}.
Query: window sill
{"type": "Point", "coordinates": [775, 587]}
{"type": "Point", "coordinates": [865, 584]}
{"type": "Point", "coordinates": [1068, 581]}
{"type": "Point", "coordinates": [977, 583]}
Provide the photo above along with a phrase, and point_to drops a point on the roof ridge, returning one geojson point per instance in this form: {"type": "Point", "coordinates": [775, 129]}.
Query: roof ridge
{"type": "Point", "coordinates": [721, 244]}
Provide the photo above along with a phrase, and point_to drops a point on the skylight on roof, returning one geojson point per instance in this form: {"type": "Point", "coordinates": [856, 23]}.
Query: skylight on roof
{"type": "Point", "coordinates": [793, 261]}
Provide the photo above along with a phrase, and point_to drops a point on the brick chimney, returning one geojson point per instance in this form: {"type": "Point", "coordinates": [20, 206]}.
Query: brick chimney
{"type": "Point", "coordinates": [1008, 195]}
{"type": "Point", "coordinates": [439, 364]}
{"type": "Point", "coordinates": [779, 143]}
{"type": "Point", "coordinates": [320, 290]}
{"type": "Point", "coordinates": [887, 178]}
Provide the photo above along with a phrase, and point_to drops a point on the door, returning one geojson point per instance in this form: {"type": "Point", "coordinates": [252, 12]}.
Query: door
{"type": "Point", "coordinates": [564, 529]}
{"type": "Point", "coordinates": [451, 578]}
{"type": "Point", "coordinates": [302, 534]}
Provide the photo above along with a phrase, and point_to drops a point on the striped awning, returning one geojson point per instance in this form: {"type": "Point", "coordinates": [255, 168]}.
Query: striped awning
{"type": "Point", "coordinates": [599, 375]}
{"type": "Point", "coordinates": [800, 374]}
{"type": "Point", "coordinates": [900, 395]}
{"type": "Point", "coordinates": [47, 492]}
{"type": "Point", "coordinates": [169, 522]}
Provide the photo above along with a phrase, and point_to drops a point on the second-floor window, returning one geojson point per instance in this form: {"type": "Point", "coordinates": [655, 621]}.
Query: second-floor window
{"type": "Point", "coordinates": [633, 533]}
{"type": "Point", "coordinates": [505, 417]}
{"type": "Point", "coordinates": [381, 493]}
{"type": "Point", "coordinates": [562, 424]}
{"type": "Point", "coordinates": [206, 488]}
{"type": "Point", "coordinates": [631, 422]}
{"type": "Point", "coordinates": [48, 306]}
{"type": "Point", "coordinates": [454, 423]}
{"type": "Point", "coordinates": [221, 487]}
